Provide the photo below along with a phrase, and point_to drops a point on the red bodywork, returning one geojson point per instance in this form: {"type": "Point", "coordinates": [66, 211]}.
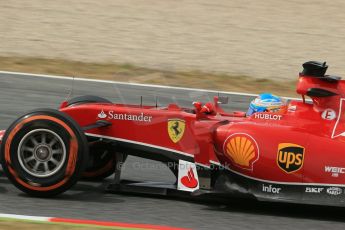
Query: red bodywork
{"type": "Point", "coordinates": [302, 147]}
{"type": "Point", "coordinates": [204, 135]}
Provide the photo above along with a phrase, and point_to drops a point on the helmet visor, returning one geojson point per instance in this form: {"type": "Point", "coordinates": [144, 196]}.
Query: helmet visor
{"type": "Point", "coordinates": [250, 111]}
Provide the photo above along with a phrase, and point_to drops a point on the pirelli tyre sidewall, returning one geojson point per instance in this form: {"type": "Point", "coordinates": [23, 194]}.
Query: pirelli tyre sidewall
{"type": "Point", "coordinates": [71, 163]}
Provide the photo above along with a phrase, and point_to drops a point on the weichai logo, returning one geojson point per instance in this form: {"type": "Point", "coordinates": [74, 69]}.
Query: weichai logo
{"type": "Point", "coordinates": [290, 157]}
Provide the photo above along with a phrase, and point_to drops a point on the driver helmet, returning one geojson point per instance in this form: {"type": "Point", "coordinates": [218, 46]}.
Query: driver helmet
{"type": "Point", "coordinates": [267, 102]}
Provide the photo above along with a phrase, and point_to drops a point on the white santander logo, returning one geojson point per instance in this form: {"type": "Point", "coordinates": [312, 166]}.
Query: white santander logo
{"type": "Point", "coordinates": [102, 115]}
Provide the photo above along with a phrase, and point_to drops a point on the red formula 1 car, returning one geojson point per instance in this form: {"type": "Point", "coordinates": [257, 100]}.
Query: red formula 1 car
{"type": "Point", "coordinates": [292, 157]}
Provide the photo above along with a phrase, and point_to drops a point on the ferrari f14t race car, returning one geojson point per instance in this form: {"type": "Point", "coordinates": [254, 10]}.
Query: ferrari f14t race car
{"type": "Point", "coordinates": [295, 156]}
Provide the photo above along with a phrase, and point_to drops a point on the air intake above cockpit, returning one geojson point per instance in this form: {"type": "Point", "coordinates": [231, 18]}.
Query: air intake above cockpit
{"type": "Point", "coordinates": [314, 69]}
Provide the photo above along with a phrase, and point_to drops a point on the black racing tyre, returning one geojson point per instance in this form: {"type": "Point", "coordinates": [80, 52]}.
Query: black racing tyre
{"type": "Point", "coordinates": [44, 152]}
{"type": "Point", "coordinates": [87, 99]}
{"type": "Point", "coordinates": [102, 162]}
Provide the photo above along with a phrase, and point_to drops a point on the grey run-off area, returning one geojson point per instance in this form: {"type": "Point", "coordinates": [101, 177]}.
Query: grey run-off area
{"type": "Point", "coordinates": [89, 201]}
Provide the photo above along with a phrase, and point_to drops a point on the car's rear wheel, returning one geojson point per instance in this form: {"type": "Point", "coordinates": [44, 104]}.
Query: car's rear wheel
{"type": "Point", "coordinates": [102, 161]}
{"type": "Point", "coordinates": [44, 152]}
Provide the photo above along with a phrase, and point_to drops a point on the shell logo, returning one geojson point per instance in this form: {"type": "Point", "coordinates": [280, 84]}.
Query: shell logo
{"type": "Point", "coordinates": [242, 150]}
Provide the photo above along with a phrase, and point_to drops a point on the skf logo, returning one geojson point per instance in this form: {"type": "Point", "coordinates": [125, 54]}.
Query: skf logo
{"type": "Point", "coordinates": [290, 157]}
{"type": "Point", "coordinates": [242, 150]}
{"type": "Point", "coordinates": [176, 129]}
{"type": "Point", "coordinates": [313, 190]}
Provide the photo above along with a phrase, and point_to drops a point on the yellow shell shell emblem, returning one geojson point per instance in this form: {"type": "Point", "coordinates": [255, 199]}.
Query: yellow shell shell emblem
{"type": "Point", "coordinates": [176, 129]}
{"type": "Point", "coordinates": [242, 150]}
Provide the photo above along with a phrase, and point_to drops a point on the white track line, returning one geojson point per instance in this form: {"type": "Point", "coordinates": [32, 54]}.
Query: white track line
{"type": "Point", "coordinates": [89, 223]}
{"type": "Point", "coordinates": [132, 84]}
{"type": "Point", "coordinates": [122, 83]}
{"type": "Point", "coordinates": [24, 217]}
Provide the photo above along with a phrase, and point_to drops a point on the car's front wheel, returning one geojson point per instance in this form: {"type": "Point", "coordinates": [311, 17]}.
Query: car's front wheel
{"type": "Point", "coordinates": [44, 152]}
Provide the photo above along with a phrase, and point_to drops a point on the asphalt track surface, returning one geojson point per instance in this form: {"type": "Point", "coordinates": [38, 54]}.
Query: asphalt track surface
{"type": "Point", "coordinates": [89, 201]}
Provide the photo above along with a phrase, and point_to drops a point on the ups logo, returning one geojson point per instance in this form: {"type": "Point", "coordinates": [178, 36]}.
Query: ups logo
{"type": "Point", "coordinates": [290, 157]}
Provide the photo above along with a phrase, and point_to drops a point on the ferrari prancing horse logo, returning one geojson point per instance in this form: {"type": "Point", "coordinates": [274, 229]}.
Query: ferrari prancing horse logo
{"type": "Point", "coordinates": [176, 129]}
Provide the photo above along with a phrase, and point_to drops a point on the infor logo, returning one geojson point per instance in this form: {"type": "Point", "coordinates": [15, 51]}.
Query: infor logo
{"type": "Point", "coordinates": [290, 157]}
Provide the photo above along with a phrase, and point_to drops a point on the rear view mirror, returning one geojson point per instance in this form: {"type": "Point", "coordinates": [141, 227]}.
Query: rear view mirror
{"type": "Point", "coordinates": [223, 100]}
